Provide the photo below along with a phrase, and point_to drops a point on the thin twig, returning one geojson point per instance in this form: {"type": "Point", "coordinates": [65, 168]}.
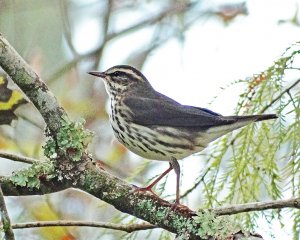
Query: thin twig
{"type": "Point", "coordinates": [70, 223]}
{"type": "Point", "coordinates": [66, 26]}
{"type": "Point", "coordinates": [105, 23]}
{"type": "Point", "coordinates": [7, 227]}
{"type": "Point", "coordinates": [195, 185]}
{"type": "Point", "coordinates": [62, 70]}
{"type": "Point", "coordinates": [149, 21]}
{"type": "Point", "coordinates": [18, 158]}
{"type": "Point", "coordinates": [280, 95]}
{"type": "Point", "coordinates": [169, 11]}
{"type": "Point", "coordinates": [258, 206]}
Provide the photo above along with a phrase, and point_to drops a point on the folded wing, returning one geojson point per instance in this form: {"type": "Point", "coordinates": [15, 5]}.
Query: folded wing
{"type": "Point", "coordinates": [167, 112]}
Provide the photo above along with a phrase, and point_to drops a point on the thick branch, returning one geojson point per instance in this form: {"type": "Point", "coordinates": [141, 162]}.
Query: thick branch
{"type": "Point", "coordinates": [7, 228]}
{"type": "Point", "coordinates": [258, 206]}
{"type": "Point", "coordinates": [66, 223]}
{"type": "Point", "coordinates": [123, 197]}
{"type": "Point", "coordinates": [30, 83]}
{"type": "Point", "coordinates": [117, 192]}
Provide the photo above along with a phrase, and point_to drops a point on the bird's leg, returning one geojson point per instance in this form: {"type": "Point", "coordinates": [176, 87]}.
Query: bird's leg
{"type": "Point", "coordinates": [175, 165]}
{"type": "Point", "coordinates": [150, 186]}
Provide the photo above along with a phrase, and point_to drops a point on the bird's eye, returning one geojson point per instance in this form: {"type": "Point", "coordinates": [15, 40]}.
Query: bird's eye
{"type": "Point", "coordinates": [116, 73]}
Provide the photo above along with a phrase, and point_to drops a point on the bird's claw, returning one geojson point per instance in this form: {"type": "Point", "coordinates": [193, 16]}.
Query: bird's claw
{"type": "Point", "coordinates": [144, 189]}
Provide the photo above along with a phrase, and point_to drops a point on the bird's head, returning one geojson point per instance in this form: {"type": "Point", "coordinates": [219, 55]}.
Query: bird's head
{"type": "Point", "coordinates": [121, 78]}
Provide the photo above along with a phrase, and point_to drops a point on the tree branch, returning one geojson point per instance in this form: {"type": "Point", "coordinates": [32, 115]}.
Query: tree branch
{"type": "Point", "coordinates": [105, 24]}
{"type": "Point", "coordinates": [125, 198]}
{"type": "Point", "coordinates": [68, 223]}
{"type": "Point", "coordinates": [172, 10]}
{"type": "Point", "coordinates": [18, 158]}
{"type": "Point", "coordinates": [258, 206]}
{"type": "Point", "coordinates": [280, 95]}
{"type": "Point", "coordinates": [200, 179]}
{"type": "Point", "coordinates": [7, 228]}
{"type": "Point", "coordinates": [31, 84]}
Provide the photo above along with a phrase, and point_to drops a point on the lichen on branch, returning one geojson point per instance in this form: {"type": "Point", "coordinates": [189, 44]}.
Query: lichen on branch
{"type": "Point", "coordinates": [71, 139]}
{"type": "Point", "coordinates": [31, 177]}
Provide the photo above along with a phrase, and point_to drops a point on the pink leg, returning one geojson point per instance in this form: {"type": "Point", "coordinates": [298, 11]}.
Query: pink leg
{"type": "Point", "coordinates": [150, 186]}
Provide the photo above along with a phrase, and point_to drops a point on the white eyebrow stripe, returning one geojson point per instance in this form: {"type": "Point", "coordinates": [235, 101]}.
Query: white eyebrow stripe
{"type": "Point", "coordinates": [126, 71]}
{"type": "Point", "coordinates": [129, 71]}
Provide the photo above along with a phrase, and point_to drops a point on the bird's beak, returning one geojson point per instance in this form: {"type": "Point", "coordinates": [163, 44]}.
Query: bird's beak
{"type": "Point", "coordinates": [98, 74]}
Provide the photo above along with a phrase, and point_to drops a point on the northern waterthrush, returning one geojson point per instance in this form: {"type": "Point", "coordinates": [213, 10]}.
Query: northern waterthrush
{"type": "Point", "coordinates": [155, 126]}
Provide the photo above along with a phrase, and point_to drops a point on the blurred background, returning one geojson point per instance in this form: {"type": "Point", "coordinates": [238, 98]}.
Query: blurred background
{"type": "Point", "coordinates": [200, 53]}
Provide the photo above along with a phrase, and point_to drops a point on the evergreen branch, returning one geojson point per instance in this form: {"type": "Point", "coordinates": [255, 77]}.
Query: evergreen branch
{"type": "Point", "coordinates": [70, 223]}
{"type": "Point", "coordinates": [280, 95]}
{"type": "Point", "coordinates": [18, 158]}
{"type": "Point", "coordinates": [258, 206]}
{"type": "Point", "coordinates": [7, 227]}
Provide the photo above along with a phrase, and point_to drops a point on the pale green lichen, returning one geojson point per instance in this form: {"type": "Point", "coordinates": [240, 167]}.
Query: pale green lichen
{"type": "Point", "coordinates": [221, 227]}
{"type": "Point", "coordinates": [184, 225]}
{"type": "Point", "coordinates": [206, 224]}
{"type": "Point", "coordinates": [146, 205]}
{"type": "Point", "coordinates": [72, 139]}
{"type": "Point", "coordinates": [30, 177]}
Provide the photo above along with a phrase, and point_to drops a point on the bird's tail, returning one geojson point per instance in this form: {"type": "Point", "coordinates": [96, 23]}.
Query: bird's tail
{"type": "Point", "coordinates": [255, 118]}
{"type": "Point", "coordinates": [235, 122]}
{"type": "Point", "coordinates": [241, 121]}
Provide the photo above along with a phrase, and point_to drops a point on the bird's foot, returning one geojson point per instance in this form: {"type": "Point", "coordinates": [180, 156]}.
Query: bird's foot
{"type": "Point", "coordinates": [178, 206]}
{"type": "Point", "coordinates": [145, 189]}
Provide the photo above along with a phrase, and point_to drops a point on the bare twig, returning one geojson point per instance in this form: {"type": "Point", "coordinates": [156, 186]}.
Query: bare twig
{"type": "Point", "coordinates": [7, 228]}
{"type": "Point", "coordinates": [280, 95]}
{"type": "Point", "coordinates": [106, 20]}
{"type": "Point", "coordinates": [64, 5]}
{"type": "Point", "coordinates": [258, 206]}
{"type": "Point", "coordinates": [65, 68]}
{"type": "Point", "coordinates": [18, 158]}
{"type": "Point", "coordinates": [195, 185]}
{"type": "Point", "coordinates": [66, 223]}
{"type": "Point", "coordinates": [177, 8]}
{"type": "Point", "coordinates": [169, 11]}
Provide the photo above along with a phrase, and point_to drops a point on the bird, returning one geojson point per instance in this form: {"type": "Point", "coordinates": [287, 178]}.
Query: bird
{"type": "Point", "coordinates": [157, 127]}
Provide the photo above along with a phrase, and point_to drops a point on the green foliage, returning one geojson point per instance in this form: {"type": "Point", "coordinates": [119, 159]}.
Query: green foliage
{"type": "Point", "coordinates": [261, 161]}
{"type": "Point", "coordinates": [72, 139]}
{"type": "Point", "coordinates": [219, 227]}
{"type": "Point", "coordinates": [30, 177]}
